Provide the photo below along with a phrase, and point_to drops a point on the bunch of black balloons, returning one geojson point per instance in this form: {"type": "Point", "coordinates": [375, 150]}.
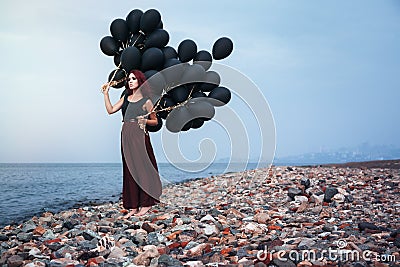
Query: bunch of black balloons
{"type": "Point", "coordinates": [185, 90]}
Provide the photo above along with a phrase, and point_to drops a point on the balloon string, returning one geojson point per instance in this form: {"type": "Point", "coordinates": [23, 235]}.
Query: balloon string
{"type": "Point", "coordinates": [140, 34]}
{"type": "Point", "coordinates": [172, 107]}
{"type": "Point", "coordinates": [113, 76]}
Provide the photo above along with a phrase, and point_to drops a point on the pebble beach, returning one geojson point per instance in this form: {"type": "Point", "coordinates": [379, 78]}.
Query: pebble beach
{"type": "Point", "coordinates": [278, 216]}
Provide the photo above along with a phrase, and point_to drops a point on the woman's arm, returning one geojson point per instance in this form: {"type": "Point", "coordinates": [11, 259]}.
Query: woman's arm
{"type": "Point", "coordinates": [109, 107]}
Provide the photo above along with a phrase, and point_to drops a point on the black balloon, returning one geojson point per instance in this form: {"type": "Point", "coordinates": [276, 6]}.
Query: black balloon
{"type": "Point", "coordinates": [198, 94]}
{"type": "Point", "coordinates": [131, 58]}
{"type": "Point", "coordinates": [172, 62]}
{"type": "Point", "coordinates": [187, 50]}
{"type": "Point", "coordinates": [219, 96]}
{"type": "Point", "coordinates": [177, 119]}
{"type": "Point", "coordinates": [109, 46]}
{"type": "Point", "coordinates": [118, 74]}
{"type": "Point", "coordinates": [140, 42]}
{"type": "Point", "coordinates": [157, 127]}
{"type": "Point", "coordinates": [193, 74]}
{"type": "Point", "coordinates": [201, 108]}
{"type": "Point", "coordinates": [152, 59]}
{"type": "Point", "coordinates": [204, 59]}
{"type": "Point", "coordinates": [117, 59]}
{"type": "Point", "coordinates": [150, 20]}
{"type": "Point", "coordinates": [196, 123]}
{"type": "Point", "coordinates": [172, 71]}
{"type": "Point", "coordinates": [222, 48]}
{"type": "Point", "coordinates": [148, 74]}
{"type": "Point", "coordinates": [212, 80]}
{"type": "Point", "coordinates": [169, 52]}
{"type": "Point", "coordinates": [179, 94]}
{"type": "Point", "coordinates": [158, 38]}
{"type": "Point", "coordinates": [187, 126]}
{"type": "Point", "coordinates": [156, 82]}
{"type": "Point", "coordinates": [133, 20]}
{"type": "Point", "coordinates": [119, 30]}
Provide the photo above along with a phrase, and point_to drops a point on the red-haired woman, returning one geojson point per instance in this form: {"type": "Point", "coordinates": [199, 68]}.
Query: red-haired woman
{"type": "Point", "coordinates": [141, 182]}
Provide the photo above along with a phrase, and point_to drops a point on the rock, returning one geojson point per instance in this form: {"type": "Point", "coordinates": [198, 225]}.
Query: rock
{"type": "Point", "coordinates": [339, 198]}
{"type": "Point", "coordinates": [168, 261]}
{"type": "Point", "coordinates": [380, 264]}
{"type": "Point", "coordinates": [54, 246]}
{"type": "Point", "coordinates": [198, 250]}
{"type": "Point", "coordinates": [210, 230]}
{"type": "Point", "coordinates": [69, 224]}
{"type": "Point", "coordinates": [306, 182]}
{"type": "Point", "coordinates": [144, 258]}
{"type": "Point", "coordinates": [49, 235]}
{"type": "Point", "coordinates": [3, 237]}
{"type": "Point", "coordinates": [63, 262]}
{"type": "Point", "coordinates": [117, 253]}
{"type": "Point", "coordinates": [330, 192]}
{"type": "Point", "coordinates": [150, 227]}
{"type": "Point", "coordinates": [39, 230]}
{"type": "Point", "coordinates": [261, 218]}
{"type": "Point", "coordinates": [284, 263]}
{"type": "Point", "coordinates": [306, 243]}
{"type": "Point", "coordinates": [250, 228]}
{"type": "Point", "coordinates": [194, 264]}
{"type": "Point", "coordinates": [155, 238]}
{"type": "Point", "coordinates": [303, 206]}
{"type": "Point", "coordinates": [328, 228]}
{"type": "Point", "coordinates": [207, 218]}
{"type": "Point", "coordinates": [292, 192]}
{"type": "Point", "coordinates": [367, 225]}
{"type": "Point", "coordinates": [15, 261]}
{"type": "Point", "coordinates": [86, 245]}
{"type": "Point", "coordinates": [29, 226]}
{"type": "Point", "coordinates": [35, 252]}
{"type": "Point", "coordinates": [324, 234]}
{"type": "Point", "coordinates": [89, 235]}
{"type": "Point", "coordinates": [301, 199]}
{"type": "Point", "coordinates": [349, 198]}
{"type": "Point", "coordinates": [304, 264]}
{"type": "Point", "coordinates": [35, 264]}
{"type": "Point", "coordinates": [396, 242]}
{"type": "Point", "coordinates": [24, 237]}
{"type": "Point", "coordinates": [392, 234]}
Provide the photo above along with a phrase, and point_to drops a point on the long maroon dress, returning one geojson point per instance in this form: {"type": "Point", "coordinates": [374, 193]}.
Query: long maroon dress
{"type": "Point", "coordinates": [141, 181]}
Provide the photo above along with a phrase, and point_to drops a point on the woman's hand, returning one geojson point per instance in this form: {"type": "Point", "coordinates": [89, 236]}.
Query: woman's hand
{"type": "Point", "coordinates": [142, 121]}
{"type": "Point", "coordinates": [106, 87]}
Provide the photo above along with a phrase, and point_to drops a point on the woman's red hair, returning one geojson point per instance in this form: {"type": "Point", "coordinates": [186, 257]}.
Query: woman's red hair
{"type": "Point", "coordinates": [142, 82]}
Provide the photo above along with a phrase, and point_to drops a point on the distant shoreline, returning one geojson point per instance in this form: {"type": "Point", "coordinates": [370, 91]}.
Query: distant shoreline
{"type": "Point", "coordinates": [381, 164]}
{"type": "Point", "coordinates": [389, 164]}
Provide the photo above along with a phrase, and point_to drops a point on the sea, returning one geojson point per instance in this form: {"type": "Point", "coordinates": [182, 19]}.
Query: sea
{"type": "Point", "coordinates": [29, 189]}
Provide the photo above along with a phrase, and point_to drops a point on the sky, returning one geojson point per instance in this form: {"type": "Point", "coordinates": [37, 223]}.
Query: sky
{"type": "Point", "coordinates": [329, 72]}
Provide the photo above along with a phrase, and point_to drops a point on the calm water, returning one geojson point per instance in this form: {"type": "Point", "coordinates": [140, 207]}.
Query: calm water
{"type": "Point", "coordinates": [30, 189]}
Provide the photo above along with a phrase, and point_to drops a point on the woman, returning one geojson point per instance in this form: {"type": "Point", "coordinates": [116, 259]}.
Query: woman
{"type": "Point", "coordinates": [141, 182]}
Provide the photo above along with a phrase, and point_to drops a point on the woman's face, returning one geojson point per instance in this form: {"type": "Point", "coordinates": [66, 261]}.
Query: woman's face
{"type": "Point", "coordinates": [132, 81]}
